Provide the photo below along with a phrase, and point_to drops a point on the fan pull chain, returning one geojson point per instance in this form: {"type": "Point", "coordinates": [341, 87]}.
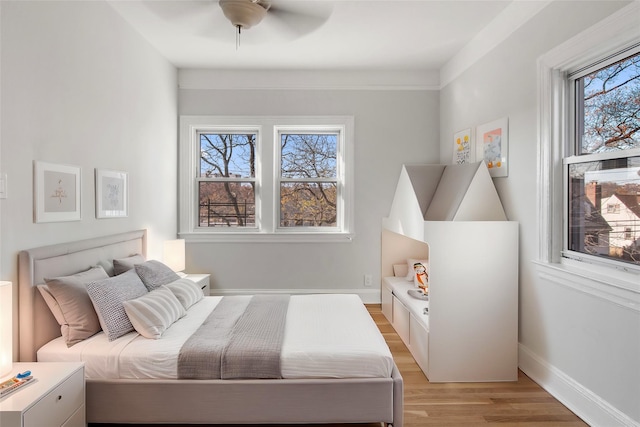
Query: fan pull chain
{"type": "Point", "coordinates": [239, 28]}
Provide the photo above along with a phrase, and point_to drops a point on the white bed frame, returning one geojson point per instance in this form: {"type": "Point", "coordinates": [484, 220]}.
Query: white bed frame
{"type": "Point", "coordinates": [301, 401]}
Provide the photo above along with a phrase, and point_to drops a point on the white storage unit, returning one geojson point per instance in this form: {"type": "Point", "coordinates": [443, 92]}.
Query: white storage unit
{"type": "Point", "coordinates": [452, 216]}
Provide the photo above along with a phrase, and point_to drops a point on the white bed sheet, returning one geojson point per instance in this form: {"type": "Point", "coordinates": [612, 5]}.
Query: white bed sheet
{"type": "Point", "coordinates": [326, 336]}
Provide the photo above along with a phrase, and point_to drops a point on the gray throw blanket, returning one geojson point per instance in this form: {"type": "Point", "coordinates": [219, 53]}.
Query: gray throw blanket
{"type": "Point", "coordinates": [241, 338]}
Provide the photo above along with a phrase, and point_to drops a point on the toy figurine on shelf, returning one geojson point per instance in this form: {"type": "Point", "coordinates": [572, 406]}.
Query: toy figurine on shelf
{"type": "Point", "coordinates": [421, 277]}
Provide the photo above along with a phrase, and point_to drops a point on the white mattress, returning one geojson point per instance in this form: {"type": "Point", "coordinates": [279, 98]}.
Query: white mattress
{"type": "Point", "coordinates": [326, 336]}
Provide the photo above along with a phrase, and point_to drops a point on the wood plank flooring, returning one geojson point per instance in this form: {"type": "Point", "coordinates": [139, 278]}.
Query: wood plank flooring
{"type": "Point", "coordinates": [520, 404]}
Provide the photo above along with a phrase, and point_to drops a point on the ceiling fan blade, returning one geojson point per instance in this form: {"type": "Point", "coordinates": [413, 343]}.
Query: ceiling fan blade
{"type": "Point", "coordinates": [298, 18]}
{"type": "Point", "coordinates": [179, 10]}
{"type": "Point", "coordinates": [202, 18]}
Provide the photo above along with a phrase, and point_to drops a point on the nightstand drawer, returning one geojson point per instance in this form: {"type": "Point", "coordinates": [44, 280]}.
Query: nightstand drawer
{"type": "Point", "coordinates": [58, 405]}
{"type": "Point", "coordinates": [201, 280]}
{"type": "Point", "coordinates": [78, 419]}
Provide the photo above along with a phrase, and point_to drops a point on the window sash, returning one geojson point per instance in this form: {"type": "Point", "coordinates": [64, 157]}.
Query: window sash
{"type": "Point", "coordinates": [575, 86]}
{"type": "Point", "coordinates": [573, 151]}
{"type": "Point", "coordinates": [338, 179]}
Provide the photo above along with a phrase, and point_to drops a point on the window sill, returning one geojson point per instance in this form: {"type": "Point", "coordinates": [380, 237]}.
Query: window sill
{"type": "Point", "coordinates": [255, 237]}
{"type": "Point", "coordinates": [618, 289]}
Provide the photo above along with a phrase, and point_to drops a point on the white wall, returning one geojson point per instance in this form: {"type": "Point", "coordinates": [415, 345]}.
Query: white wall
{"type": "Point", "coordinates": [80, 87]}
{"type": "Point", "coordinates": [586, 350]}
{"type": "Point", "coordinates": [392, 127]}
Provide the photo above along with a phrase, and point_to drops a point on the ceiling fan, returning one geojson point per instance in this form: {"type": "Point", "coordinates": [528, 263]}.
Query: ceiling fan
{"type": "Point", "coordinates": [279, 19]}
{"type": "Point", "coordinates": [300, 16]}
{"type": "Point", "coordinates": [244, 14]}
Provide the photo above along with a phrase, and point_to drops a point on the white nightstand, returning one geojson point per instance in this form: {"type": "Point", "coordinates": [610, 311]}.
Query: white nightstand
{"type": "Point", "coordinates": [201, 280]}
{"type": "Point", "coordinates": [56, 397]}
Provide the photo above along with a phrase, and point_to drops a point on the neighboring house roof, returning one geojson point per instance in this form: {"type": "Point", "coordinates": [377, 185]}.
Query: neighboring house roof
{"type": "Point", "coordinates": [593, 219]}
{"type": "Point", "coordinates": [630, 201]}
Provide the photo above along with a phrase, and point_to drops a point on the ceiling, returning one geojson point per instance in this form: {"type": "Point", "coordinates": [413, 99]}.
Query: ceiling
{"type": "Point", "coordinates": [381, 35]}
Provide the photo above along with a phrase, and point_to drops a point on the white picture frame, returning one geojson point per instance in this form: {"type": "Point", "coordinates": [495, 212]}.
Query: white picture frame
{"type": "Point", "coordinates": [57, 192]}
{"type": "Point", "coordinates": [492, 146]}
{"type": "Point", "coordinates": [112, 194]}
{"type": "Point", "coordinates": [463, 149]}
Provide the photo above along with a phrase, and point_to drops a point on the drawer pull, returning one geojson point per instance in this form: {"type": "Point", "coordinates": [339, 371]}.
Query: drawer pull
{"type": "Point", "coordinates": [60, 397]}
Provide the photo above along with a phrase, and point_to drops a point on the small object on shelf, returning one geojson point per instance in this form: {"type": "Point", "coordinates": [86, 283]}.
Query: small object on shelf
{"type": "Point", "coordinates": [425, 311]}
{"type": "Point", "coordinates": [14, 383]}
{"type": "Point", "coordinates": [418, 294]}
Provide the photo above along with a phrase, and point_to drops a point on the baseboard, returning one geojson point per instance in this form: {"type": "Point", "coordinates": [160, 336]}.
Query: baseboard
{"type": "Point", "coordinates": [583, 402]}
{"type": "Point", "coordinates": [368, 296]}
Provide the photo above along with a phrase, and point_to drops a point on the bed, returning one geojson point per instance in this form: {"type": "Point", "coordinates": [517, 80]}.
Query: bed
{"type": "Point", "coordinates": [133, 398]}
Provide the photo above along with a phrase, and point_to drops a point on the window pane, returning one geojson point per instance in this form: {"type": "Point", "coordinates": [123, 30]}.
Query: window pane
{"type": "Point", "coordinates": [227, 204]}
{"type": "Point", "coordinates": [604, 209]}
{"type": "Point", "coordinates": [610, 99]}
{"type": "Point", "coordinates": [228, 155]}
{"type": "Point", "coordinates": [308, 155]}
{"type": "Point", "coordinates": [304, 204]}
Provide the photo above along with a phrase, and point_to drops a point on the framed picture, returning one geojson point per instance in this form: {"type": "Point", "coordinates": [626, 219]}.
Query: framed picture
{"type": "Point", "coordinates": [463, 151]}
{"type": "Point", "coordinates": [56, 192]}
{"type": "Point", "coordinates": [111, 194]}
{"type": "Point", "coordinates": [493, 146]}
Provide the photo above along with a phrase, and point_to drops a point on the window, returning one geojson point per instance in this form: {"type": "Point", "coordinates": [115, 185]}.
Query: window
{"type": "Point", "coordinates": [603, 184]}
{"type": "Point", "coordinates": [266, 178]}
{"type": "Point", "coordinates": [578, 247]}
{"type": "Point", "coordinates": [226, 179]}
{"type": "Point", "coordinates": [308, 179]}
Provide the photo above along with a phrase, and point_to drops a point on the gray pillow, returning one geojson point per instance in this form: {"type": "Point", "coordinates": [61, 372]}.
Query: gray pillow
{"type": "Point", "coordinates": [121, 265]}
{"type": "Point", "coordinates": [70, 293]}
{"type": "Point", "coordinates": [108, 296]}
{"type": "Point", "coordinates": [155, 274]}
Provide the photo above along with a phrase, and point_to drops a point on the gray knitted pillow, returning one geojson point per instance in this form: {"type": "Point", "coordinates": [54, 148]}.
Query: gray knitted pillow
{"type": "Point", "coordinates": [155, 274]}
{"type": "Point", "coordinates": [108, 296]}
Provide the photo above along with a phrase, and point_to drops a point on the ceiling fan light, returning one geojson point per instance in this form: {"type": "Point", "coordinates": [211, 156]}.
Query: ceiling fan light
{"type": "Point", "coordinates": [243, 13]}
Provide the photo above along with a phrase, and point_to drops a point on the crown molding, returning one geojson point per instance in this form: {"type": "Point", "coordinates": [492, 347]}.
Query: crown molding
{"type": "Point", "coordinates": [514, 16]}
{"type": "Point", "coordinates": [204, 79]}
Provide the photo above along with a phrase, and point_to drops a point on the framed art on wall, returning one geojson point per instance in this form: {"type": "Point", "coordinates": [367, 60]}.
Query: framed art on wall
{"type": "Point", "coordinates": [111, 194]}
{"type": "Point", "coordinates": [463, 147]}
{"type": "Point", "coordinates": [56, 192]}
{"type": "Point", "coordinates": [493, 146]}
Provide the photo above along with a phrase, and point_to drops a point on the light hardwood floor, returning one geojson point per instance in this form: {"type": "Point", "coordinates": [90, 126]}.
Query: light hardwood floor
{"type": "Point", "coordinates": [520, 404]}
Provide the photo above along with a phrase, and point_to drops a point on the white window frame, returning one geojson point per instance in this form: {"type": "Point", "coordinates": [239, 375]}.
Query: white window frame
{"type": "Point", "coordinates": [340, 173]}
{"type": "Point", "coordinates": [267, 178]}
{"type": "Point", "coordinates": [609, 281]}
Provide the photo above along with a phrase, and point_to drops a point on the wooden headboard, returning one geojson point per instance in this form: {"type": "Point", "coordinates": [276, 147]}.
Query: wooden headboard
{"type": "Point", "coordinates": [37, 325]}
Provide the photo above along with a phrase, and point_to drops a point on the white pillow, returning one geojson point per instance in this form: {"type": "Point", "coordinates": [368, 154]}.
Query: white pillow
{"type": "Point", "coordinates": [152, 313]}
{"type": "Point", "coordinates": [411, 267]}
{"type": "Point", "coordinates": [187, 292]}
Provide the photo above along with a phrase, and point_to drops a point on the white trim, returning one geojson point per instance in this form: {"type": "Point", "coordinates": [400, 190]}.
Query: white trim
{"type": "Point", "coordinates": [581, 278]}
{"type": "Point", "coordinates": [306, 80]}
{"type": "Point", "coordinates": [583, 402]}
{"type": "Point", "coordinates": [514, 16]}
{"type": "Point", "coordinates": [251, 236]}
{"type": "Point", "coordinates": [368, 296]}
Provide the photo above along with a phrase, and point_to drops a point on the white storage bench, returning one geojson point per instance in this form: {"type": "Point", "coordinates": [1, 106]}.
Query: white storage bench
{"type": "Point", "coordinates": [408, 317]}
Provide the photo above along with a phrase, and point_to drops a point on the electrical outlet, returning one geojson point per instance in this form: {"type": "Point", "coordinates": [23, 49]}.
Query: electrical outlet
{"type": "Point", "coordinates": [368, 280]}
